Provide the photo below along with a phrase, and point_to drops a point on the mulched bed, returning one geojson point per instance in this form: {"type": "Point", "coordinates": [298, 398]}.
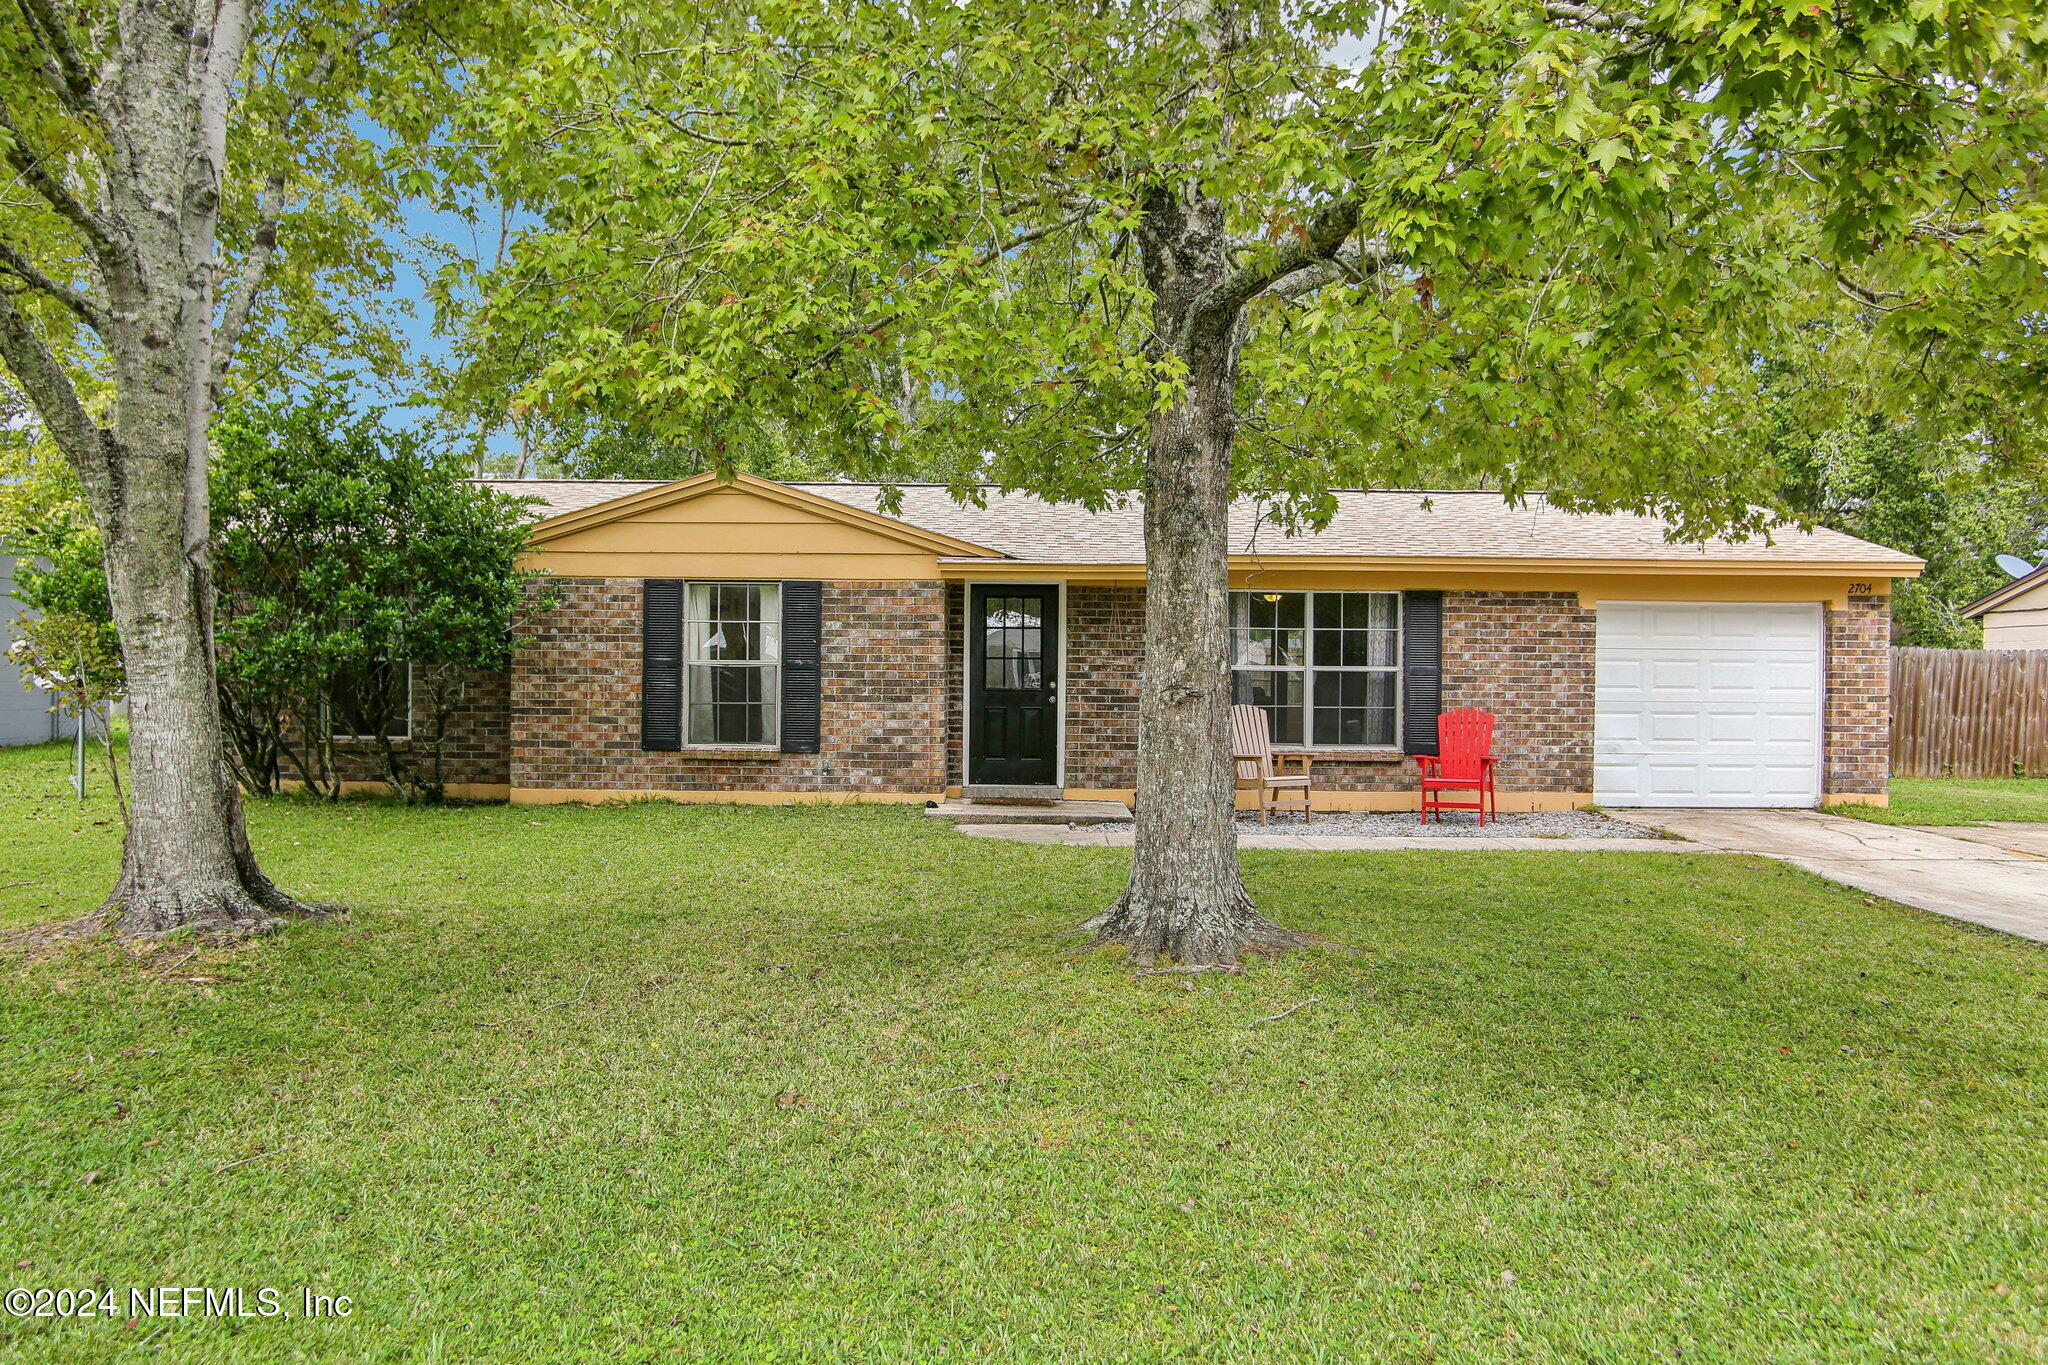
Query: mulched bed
{"type": "Point", "coordinates": [1568, 824]}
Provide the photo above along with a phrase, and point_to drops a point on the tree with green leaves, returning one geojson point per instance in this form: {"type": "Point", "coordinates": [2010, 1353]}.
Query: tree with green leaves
{"type": "Point", "coordinates": [1932, 493]}
{"type": "Point", "coordinates": [363, 582]}
{"type": "Point", "coordinates": [1197, 248]}
{"type": "Point", "coordinates": [174, 165]}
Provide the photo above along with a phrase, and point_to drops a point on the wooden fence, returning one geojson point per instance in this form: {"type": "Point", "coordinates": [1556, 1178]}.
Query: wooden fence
{"type": "Point", "coordinates": [1970, 712]}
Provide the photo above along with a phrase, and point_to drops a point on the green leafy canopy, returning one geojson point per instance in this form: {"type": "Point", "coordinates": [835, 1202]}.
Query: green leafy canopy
{"type": "Point", "coordinates": [1557, 236]}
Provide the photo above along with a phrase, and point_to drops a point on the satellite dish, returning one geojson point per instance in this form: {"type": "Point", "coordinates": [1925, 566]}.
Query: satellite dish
{"type": "Point", "coordinates": [2013, 564]}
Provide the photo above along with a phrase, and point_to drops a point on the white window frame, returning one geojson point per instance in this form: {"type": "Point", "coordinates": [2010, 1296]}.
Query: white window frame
{"type": "Point", "coordinates": [404, 711]}
{"type": "Point", "coordinates": [771, 627]}
{"type": "Point", "coordinates": [1308, 668]}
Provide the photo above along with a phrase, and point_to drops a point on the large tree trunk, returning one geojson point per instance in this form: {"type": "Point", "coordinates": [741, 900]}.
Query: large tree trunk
{"type": "Point", "coordinates": [150, 227]}
{"type": "Point", "coordinates": [187, 861]}
{"type": "Point", "coordinates": [1186, 899]}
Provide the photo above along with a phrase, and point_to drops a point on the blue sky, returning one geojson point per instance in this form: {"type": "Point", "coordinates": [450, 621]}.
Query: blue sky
{"type": "Point", "coordinates": [418, 243]}
{"type": "Point", "coordinates": [414, 242]}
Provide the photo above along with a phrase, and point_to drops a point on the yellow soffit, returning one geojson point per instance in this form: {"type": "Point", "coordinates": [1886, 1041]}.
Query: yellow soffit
{"type": "Point", "coordinates": [958, 567]}
{"type": "Point", "coordinates": [618, 509]}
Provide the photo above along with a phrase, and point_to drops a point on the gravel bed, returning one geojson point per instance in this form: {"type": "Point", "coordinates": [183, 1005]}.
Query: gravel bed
{"type": "Point", "coordinates": [1563, 824]}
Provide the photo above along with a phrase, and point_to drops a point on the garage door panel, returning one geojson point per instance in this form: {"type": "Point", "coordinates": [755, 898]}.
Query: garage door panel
{"type": "Point", "coordinates": [1623, 675]}
{"type": "Point", "coordinates": [1699, 703]}
{"type": "Point", "coordinates": [1674, 727]}
{"type": "Point", "coordinates": [1728, 728]}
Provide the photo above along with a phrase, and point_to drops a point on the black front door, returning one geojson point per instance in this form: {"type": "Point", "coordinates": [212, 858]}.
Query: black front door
{"type": "Point", "coordinates": [1013, 683]}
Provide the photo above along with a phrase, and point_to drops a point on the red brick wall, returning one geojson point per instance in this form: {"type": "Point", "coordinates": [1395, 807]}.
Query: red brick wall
{"type": "Point", "coordinates": [576, 699]}
{"type": "Point", "coordinates": [1528, 658]}
{"type": "Point", "coordinates": [1105, 641]}
{"type": "Point", "coordinates": [476, 749]}
{"type": "Point", "coordinates": [892, 696]}
{"type": "Point", "coordinates": [1859, 705]}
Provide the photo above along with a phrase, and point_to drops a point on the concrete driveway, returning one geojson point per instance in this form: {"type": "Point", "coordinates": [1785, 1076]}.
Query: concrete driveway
{"type": "Point", "coordinates": [1995, 875]}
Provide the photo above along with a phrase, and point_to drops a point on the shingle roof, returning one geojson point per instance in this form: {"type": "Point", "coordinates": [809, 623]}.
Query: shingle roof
{"type": "Point", "coordinates": [1381, 525]}
{"type": "Point", "coordinates": [2005, 592]}
{"type": "Point", "coordinates": [571, 495]}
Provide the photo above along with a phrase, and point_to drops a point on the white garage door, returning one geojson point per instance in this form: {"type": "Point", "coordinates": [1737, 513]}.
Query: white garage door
{"type": "Point", "coordinates": [1707, 704]}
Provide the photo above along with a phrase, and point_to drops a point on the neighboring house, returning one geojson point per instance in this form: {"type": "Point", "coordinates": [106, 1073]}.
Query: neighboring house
{"type": "Point", "coordinates": [25, 715]}
{"type": "Point", "coordinates": [754, 641]}
{"type": "Point", "coordinates": [2016, 615]}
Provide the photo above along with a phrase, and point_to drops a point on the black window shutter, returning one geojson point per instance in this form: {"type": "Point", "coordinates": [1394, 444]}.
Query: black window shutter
{"type": "Point", "coordinates": [803, 609]}
{"type": "Point", "coordinates": [1422, 669]}
{"type": "Point", "coordinates": [661, 664]}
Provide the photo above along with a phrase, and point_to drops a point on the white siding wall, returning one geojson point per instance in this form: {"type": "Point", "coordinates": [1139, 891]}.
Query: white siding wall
{"type": "Point", "coordinates": [2019, 624]}
{"type": "Point", "coordinates": [24, 715]}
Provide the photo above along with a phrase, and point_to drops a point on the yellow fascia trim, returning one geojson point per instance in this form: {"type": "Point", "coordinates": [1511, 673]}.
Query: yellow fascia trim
{"type": "Point", "coordinates": [568, 523]}
{"type": "Point", "coordinates": [1593, 580]}
{"type": "Point", "coordinates": [614, 796]}
{"type": "Point", "coordinates": [1432, 565]}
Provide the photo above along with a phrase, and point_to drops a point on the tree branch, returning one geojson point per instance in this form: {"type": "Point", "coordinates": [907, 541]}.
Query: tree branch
{"type": "Point", "coordinates": [1022, 239]}
{"type": "Point", "coordinates": [241, 301]}
{"type": "Point", "coordinates": [1597, 20]}
{"type": "Point", "coordinates": [31, 168]}
{"type": "Point", "coordinates": [690, 132]}
{"type": "Point", "coordinates": [63, 68]}
{"type": "Point", "coordinates": [1590, 16]}
{"type": "Point", "coordinates": [1351, 261]}
{"type": "Point", "coordinates": [1857, 291]}
{"type": "Point", "coordinates": [41, 376]}
{"type": "Point", "coordinates": [1319, 247]}
{"type": "Point", "coordinates": [25, 270]}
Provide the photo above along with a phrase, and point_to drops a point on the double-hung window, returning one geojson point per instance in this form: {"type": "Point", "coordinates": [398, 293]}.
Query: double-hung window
{"type": "Point", "coordinates": [1325, 667]}
{"type": "Point", "coordinates": [732, 683]}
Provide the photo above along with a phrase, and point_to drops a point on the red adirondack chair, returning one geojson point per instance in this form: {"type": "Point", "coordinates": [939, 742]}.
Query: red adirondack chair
{"type": "Point", "coordinates": [1463, 763]}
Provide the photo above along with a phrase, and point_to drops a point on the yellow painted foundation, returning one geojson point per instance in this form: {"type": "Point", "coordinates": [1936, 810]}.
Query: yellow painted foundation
{"type": "Point", "coordinates": [602, 796]}
{"type": "Point", "coordinates": [1331, 801]}
{"type": "Point", "coordinates": [457, 791]}
{"type": "Point", "coordinates": [1349, 801]}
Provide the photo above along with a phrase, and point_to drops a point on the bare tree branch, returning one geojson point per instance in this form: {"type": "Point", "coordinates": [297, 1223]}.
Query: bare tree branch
{"type": "Point", "coordinates": [1351, 261]}
{"type": "Point", "coordinates": [26, 270]}
{"type": "Point", "coordinates": [1857, 291]}
{"type": "Point", "coordinates": [687, 131]}
{"type": "Point", "coordinates": [1597, 20]}
{"type": "Point", "coordinates": [1002, 248]}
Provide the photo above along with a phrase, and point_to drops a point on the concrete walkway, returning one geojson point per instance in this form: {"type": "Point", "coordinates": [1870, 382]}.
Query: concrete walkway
{"type": "Point", "coordinates": [1994, 875]}
{"type": "Point", "coordinates": [1121, 836]}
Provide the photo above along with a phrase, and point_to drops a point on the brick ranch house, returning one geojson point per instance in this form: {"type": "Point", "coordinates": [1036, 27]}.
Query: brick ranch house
{"type": "Point", "coordinates": [761, 642]}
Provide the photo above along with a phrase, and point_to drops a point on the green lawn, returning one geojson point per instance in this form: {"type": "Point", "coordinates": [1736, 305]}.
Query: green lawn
{"type": "Point", "coordinates": [664, 1082]}
{"type": "Point", "coordinates": [1957, 801]}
